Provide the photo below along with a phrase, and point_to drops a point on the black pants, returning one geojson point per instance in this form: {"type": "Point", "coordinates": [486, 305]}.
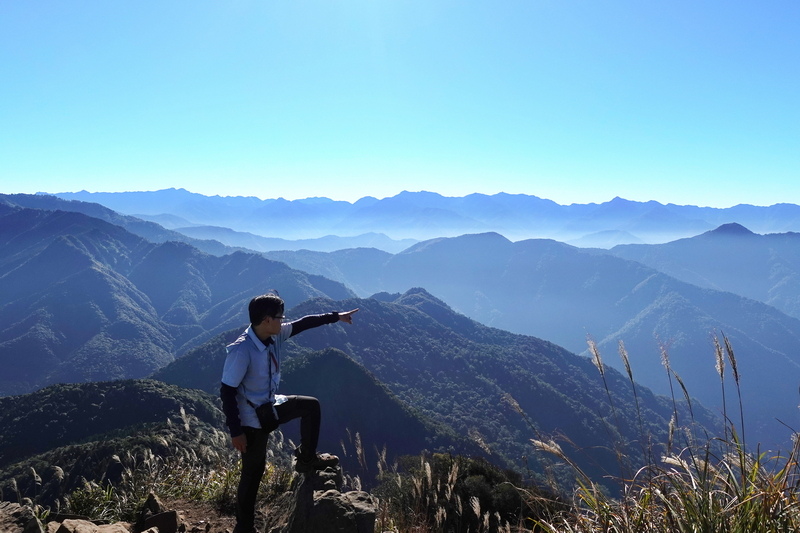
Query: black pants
{"type": "Point", "coordinates": [254, 460]}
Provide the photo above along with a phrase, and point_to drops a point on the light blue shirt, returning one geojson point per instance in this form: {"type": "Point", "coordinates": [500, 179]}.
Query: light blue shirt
{"type": "Point", "coordinates": [253, 368]}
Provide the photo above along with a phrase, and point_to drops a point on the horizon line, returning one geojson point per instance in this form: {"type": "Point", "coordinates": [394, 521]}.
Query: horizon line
{"type": "Point", "coordinates": [616, 198]}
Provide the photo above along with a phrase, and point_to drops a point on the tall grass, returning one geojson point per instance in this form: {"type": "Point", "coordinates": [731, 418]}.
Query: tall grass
{"type": "Point", "coordinates": [711, 485]}
{"type": "Point", "coordinates": [211, 478]}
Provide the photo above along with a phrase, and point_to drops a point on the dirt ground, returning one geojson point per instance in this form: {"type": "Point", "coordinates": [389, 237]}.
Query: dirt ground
{"type": "Point", "coordinates": [201, 517]}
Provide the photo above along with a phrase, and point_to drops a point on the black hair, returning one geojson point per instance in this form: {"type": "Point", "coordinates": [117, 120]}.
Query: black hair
{"type": "Point", "coordinates": [263, 306]}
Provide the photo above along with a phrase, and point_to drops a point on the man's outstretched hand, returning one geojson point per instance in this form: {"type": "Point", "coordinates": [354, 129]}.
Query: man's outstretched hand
{"type": "Point", "coordinates": [347, 316]}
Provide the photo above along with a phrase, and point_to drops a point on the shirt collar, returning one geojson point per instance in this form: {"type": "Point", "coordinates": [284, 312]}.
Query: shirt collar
{"type": "Point", "coordinates": [260, 345]}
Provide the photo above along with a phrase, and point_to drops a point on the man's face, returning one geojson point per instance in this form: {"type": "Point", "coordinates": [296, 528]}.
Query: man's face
{"type": "Point", "coordinates": [273, 324]}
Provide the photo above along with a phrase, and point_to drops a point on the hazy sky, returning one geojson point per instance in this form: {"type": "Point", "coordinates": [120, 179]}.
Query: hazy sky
{"type": "Point", "coordinates": [689, 102]}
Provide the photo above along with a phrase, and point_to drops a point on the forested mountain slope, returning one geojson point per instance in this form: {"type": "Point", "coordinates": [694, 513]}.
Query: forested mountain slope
{"type": "Point", "coordinates": [55, 439]}
{"type": "Point", "coordinates": [354, 403]}
{"type": "Point", "coordinates": [85, 300]}
{"type": "Point", "coordinates": [466, 376]}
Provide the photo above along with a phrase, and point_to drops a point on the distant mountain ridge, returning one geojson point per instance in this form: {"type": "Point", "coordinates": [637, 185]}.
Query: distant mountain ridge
{"type": "Point", "coordinates": [731, 258]}
{"type": "Point", "coordinates": [148, 230]}
{"type": "Point", "coordinates": [563, 294]}
{"type": "Point", "coordinates": [327, 243]}
{"type": "Point", "coordinates": [425, 215]}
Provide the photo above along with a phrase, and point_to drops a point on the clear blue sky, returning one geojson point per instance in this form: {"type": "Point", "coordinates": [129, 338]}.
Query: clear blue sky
{"type": "Point", "coordinates": [690, 102]}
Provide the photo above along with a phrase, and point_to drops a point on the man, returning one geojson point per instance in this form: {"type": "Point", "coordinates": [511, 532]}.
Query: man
{"type": "Point", "coordinates": [250, 380]}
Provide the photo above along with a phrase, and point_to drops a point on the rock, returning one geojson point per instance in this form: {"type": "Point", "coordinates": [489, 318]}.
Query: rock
{"type": "Point", "coordinates": [85, 526]}
{"type": "Point", "coordinates": [60, 517]}
{"type": "Point", "coordinates": [333, 511]}
{"type": "Point", "coordinates": [64, 522]}
{"type": "Point", "coordinates": [166, 522]}
{"type": "Point", "coordinates": [16, 518]}
{"type": "Point", "coordinates": [152, 505]}
{"type": "Point", "coordinates": [316, 505]}
{"type": "Point", "coordinates": [155, 514]}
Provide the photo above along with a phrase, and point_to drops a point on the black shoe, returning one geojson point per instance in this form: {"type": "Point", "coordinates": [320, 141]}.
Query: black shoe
{"type": "Point", "coordinates": [318, 461]}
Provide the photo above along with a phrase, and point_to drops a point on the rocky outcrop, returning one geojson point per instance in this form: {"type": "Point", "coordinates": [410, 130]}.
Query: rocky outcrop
{"type": "Point", "coordinates": [16, 518]}
{"type": "Point", "coordinates": [317, 505]}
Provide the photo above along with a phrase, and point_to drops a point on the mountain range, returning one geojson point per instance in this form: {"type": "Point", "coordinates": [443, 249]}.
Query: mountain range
{"type": "Point", "coordinates": [419, 377]}
{"type": "Point", "coordinates": [426, 215]}
{"type": "Point", "coordinates": [557, 292]}
{"type": "Point", "coordinates": [82, 298]}
{"type": "Point", "coordinates": [471, 379]}
{"type": "Point", "coordinates": [85, 300]}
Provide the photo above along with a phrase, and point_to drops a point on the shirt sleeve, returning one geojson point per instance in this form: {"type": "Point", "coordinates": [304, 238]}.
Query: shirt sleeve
{"type": "Point", "coordinates": [231, 409]}
{"type": "Point", "coordinates": [313, 321]}
{"type": "Point", "coordinates": [235, 367]}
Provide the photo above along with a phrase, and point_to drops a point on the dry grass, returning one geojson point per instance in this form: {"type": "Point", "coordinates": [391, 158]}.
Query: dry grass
{"type": "Point", "coordinates": [715, 485]}
{"type": "Point", "coordinates": [211, 478]}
